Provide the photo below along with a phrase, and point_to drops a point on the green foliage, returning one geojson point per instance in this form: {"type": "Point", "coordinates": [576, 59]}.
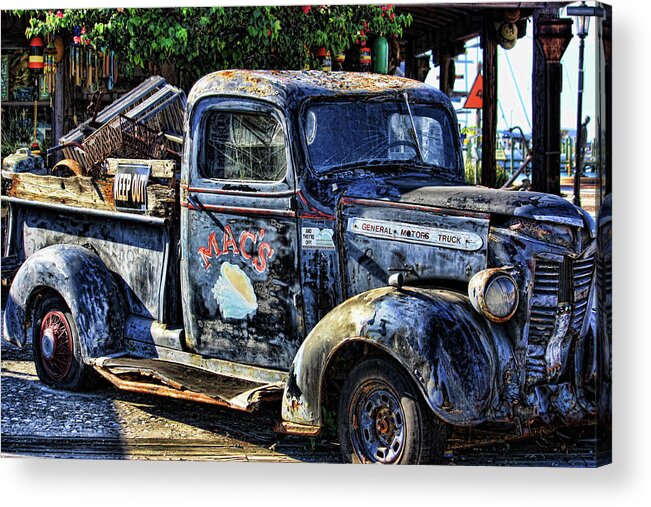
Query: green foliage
{"type": "Point", "coordinates": [15, 135]}
{"type": "Point", "coordinates": [383, 20]}
{"type": "Point", "coordinates": [500, 173]}
{"type": "Point", "coordinates": [329, 423]}
{"type": "Point", "coordinates": [201, 40]}
{"type": "Point", "coordinates": [469, 167]}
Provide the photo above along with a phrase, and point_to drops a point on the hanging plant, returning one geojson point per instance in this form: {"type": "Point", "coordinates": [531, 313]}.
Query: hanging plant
{"type": "Point", "coordinates": [384, 22]}
{"type": "Point", "coordinates": [200, 40]}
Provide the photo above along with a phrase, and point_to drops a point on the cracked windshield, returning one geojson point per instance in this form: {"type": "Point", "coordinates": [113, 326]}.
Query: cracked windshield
{"type": "Point", "coordinates": [244, 146]}
{"type": "Point", "coordinates": [380, 134]}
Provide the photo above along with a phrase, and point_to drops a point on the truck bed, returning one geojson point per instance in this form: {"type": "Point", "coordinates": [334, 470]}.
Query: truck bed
{"type": "Point", "coordinates": [136, 246]}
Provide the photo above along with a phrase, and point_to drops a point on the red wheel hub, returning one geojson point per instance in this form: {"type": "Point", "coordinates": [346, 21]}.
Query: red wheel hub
{"type": "Point", "coordinates": [55, 345]}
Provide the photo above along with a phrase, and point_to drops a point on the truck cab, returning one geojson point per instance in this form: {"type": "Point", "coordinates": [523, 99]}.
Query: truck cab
{"type": "Point", "coordinates": [328, 252]}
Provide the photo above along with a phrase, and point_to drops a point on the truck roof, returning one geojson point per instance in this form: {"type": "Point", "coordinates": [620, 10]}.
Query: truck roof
{"type": "Point", "coordinates": [287, 88]}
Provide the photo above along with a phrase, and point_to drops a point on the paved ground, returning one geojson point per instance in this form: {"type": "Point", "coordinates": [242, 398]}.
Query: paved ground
{"type": "Point", "coordinates": [110, 424]}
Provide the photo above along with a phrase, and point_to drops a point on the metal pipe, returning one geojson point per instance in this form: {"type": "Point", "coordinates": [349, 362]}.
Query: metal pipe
{"type": "Point", "coordinates": [524, 139]}
{"type": "Point", "coordinates": [87, 211]}
{"type": "Point", "coordinates": [517, 173]}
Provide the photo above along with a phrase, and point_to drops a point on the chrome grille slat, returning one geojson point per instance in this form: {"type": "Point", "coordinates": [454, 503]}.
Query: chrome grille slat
{"type": "Point", "coordinates": [554, 280]}
{"type": "Point", "coordinates": [608, 288]}
{"type": "Point", "coordinates": [583, 277]}
{"type": "Point", "coordinates": [604, 301]}
{"type": "Point", "coordinates": [541, 310]}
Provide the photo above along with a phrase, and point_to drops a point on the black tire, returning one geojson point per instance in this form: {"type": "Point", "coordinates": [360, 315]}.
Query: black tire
{"type": "Point", "coordinates": [55, 342]}
{"type": "Point", "coordinates": [382, 418]}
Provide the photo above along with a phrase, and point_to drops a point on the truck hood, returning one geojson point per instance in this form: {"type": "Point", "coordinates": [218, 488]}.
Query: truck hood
{"type": "Point", "coordinates": [533, 205]}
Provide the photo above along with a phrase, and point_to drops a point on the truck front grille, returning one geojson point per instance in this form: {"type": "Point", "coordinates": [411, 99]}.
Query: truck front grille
{"type": "Point", "coordinates": [544, 301]}
{"type": "Point", "coordinates": [604, 301]}
{"type": "Point", "coordinates": [558, 287]}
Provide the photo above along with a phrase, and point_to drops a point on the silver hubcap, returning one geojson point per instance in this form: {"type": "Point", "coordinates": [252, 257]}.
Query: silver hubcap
{"type": "Point", "coordinates": [380, 426]}
{"type": "Point", "coordinates": [47, 343]}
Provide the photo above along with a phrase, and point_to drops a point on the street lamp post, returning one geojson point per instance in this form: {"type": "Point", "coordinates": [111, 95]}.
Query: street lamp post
{"type": "Point", "coordinates": [582, 14]}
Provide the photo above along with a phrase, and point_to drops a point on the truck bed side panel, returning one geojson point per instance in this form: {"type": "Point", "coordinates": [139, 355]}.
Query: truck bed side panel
{"type": "Point", "coordinates": [137, 254]}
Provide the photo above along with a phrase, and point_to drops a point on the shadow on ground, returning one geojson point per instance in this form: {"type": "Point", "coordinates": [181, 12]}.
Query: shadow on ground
{"type": "Point", "coordinates": [112, 424]}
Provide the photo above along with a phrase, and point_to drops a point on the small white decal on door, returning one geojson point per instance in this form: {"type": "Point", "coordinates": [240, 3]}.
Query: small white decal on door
{"type": "Point", "coordinates": [316, 238]}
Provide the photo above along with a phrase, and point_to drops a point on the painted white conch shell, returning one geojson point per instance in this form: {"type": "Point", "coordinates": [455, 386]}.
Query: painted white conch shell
{"type": "Point", "coordinates": [234, 293]}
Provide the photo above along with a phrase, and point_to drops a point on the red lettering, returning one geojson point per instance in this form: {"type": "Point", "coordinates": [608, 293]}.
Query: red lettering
{"type": "Point", "coordinates": [206, 252]}
{"type": "Point", "coordinates": [243, 237]}
{"type": "Point", "coordinates": [264, 252]}
{"type": "Point", "coordinates": [229, 240]}
{"type": "Point", "coordinates": [259, 262]}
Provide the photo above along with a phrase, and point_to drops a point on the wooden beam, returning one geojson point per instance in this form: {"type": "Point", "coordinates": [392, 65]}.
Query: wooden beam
{"type": "Point", "coordinates": [58, 108]}
{"type": "Point", "coordinates": [80, 191]}
{"type": "Point", "coordinates": [489, 109]}
{"type": "Point", "coordinates": [551, 36]}
{"type": "Point", "coordinates": [409, 59]}
{"type": "Point", "coordinates": [539, 103]}
{"type": "Point", "coordinates": [444, 64]}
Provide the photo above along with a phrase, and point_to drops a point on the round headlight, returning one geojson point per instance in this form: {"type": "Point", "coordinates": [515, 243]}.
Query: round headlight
{"type": "Point", "coordinates": [501, 296]}
{"type": "Point", "coordinates": [494, 293]}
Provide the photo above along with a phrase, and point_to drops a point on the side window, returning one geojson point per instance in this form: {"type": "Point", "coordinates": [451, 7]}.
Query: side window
{"type": "Point", "coordinates": [243, 146]}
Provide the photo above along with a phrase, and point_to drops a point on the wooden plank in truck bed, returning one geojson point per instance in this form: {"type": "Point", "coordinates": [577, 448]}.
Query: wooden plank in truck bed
{"type": "Point", "coordinates": [87, 192]}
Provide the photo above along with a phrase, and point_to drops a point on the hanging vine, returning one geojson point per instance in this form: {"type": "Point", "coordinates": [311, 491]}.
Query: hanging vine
{"type": "Point", "coordinates": [201, 40]}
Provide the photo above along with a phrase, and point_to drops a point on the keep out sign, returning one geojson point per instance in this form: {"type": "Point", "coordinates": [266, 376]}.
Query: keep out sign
{"type": "Point", "coordinates": [130, 186]}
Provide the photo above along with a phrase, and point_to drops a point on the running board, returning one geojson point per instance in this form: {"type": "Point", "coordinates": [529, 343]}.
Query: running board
{"type": "Point", "coordinates": [153, 376]}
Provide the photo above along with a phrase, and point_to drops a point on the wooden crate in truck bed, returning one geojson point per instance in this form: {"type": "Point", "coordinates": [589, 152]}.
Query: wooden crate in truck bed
{"type": "Point", "coordinates": [99, 194]}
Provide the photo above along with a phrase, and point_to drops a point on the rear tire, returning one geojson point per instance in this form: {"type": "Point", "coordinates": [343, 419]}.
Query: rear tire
{"type": "Point", "coordinates": [57, 352]}
{"type": "Point", "coordinates": [382, 418]}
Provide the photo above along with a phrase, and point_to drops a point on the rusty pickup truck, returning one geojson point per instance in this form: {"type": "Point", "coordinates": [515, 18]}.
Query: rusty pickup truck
{"type": "Point", "coordinates": [321, 248]}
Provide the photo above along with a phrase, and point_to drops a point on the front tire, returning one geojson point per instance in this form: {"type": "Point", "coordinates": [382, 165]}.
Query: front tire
{"type": "Point", "coordinates": [383, 420]}
{"type": "Point", "coordinates": [57, 352]}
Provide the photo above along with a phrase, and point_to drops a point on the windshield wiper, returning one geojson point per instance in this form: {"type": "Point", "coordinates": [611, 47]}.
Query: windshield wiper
{"type": "Point", "coordinates": [413, 127]}
{"type": "Point", "coordinates": [367, 165]}
{"type": "Point", "coordinates": [431, 170]}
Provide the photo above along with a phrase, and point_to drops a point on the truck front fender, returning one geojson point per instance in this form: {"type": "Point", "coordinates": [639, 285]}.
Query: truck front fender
{"type": "Point", "coordinates": [435, 335]}
{"type": "Point", "coordinates": [85, 284]}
